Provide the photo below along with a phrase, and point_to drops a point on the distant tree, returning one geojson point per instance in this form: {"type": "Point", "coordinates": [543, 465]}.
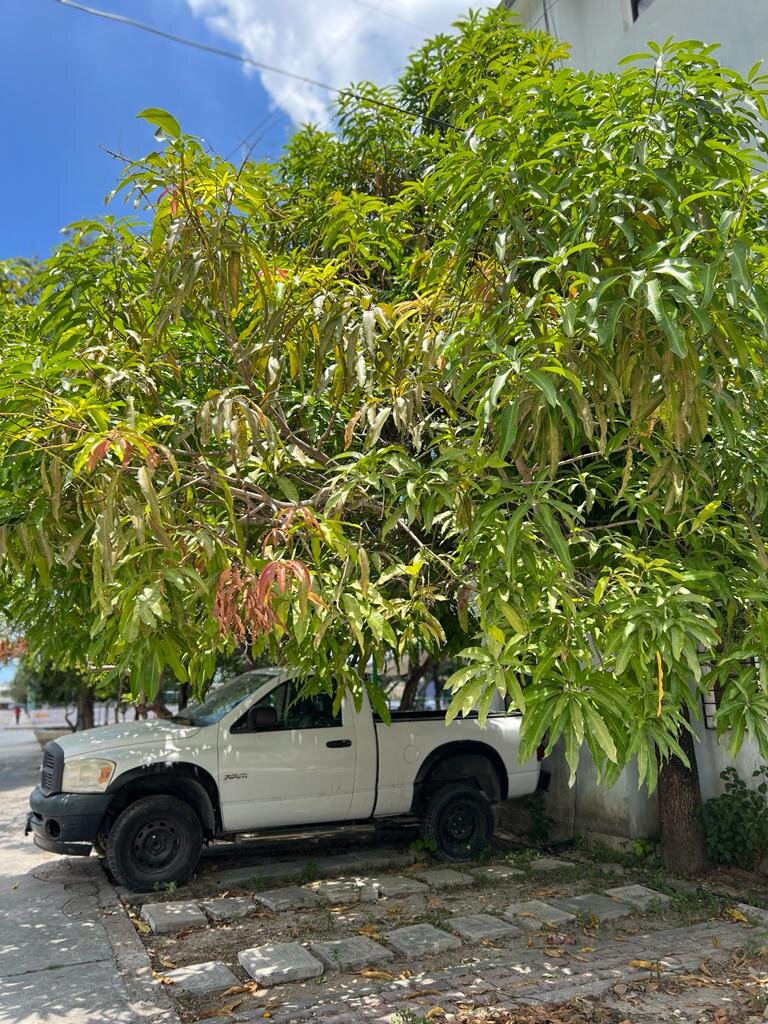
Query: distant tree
{"type": "Point", "coordinates": [496, 348]}
{"type": "Point", "coordinates": [47, 684]}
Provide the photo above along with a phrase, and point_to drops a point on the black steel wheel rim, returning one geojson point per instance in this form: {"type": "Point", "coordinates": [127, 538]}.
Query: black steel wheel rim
{"type": "Point", "coordinates": [459, 825]}
{"type": "Point", "coordinates": [156, 844]}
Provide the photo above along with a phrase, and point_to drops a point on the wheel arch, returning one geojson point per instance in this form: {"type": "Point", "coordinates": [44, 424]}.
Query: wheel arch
{"type": "Point", "coordinates": [188, 782]}
{"type": "Point", "coordinates": [468, 761]}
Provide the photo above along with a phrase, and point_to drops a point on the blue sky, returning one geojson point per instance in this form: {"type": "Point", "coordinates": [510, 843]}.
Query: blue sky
{"type": "Point", "coordinates": [73, 84]}
{"type": "Point", "coordinates": [7, 672]}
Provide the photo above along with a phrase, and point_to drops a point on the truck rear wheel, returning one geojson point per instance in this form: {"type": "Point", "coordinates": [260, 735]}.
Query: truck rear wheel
{"type": "Point", "coordinates": [155, 840]}
{"type": "Point", "coordinates": [459, 822]}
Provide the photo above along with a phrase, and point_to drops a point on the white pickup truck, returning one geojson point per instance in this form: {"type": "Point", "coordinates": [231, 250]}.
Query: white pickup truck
{"type": "Point", "coordinates": [252, 758]}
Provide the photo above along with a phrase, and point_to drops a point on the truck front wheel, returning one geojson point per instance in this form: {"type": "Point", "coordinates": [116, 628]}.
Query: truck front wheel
{"type": "Point", "coordinates": [458, 821]}
{"type": "Point", "coordinates": [155, 840]}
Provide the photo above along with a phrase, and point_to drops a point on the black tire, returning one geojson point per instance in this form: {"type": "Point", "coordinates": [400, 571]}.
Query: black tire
{"type": "Point", "coordinates": [155, 840]}
{"type": "Point", "coordinates": [458, 821]}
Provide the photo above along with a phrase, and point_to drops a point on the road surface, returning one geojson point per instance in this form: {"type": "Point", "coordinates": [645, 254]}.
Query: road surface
{"type": "Point", "coordinates": [68, 954]}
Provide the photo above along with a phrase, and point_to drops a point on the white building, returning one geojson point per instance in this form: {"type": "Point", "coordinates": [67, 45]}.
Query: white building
{"type": "Point", "coordinates": [601, 32]}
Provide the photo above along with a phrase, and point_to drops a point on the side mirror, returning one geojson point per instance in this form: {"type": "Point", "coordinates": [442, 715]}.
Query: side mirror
{"type": "Point", "coordinates": [262, 718]}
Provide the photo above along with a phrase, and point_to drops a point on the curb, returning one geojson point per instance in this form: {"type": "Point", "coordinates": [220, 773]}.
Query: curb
{"type": "Point", "coordinates": [146, 997]}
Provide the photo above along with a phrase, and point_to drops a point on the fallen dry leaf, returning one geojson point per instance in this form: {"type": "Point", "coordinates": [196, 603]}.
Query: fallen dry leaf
{"type": "Point", "coordinates": [370, 930]}
{"type": "Point", "coordinates": [371, 972]}
{"type": "Point", "coordinates": [645, 965]}
{"type": "Point", "coordinates": [230, 1006]}
{"type": "Point", "coordinates": [142, 927]}
{"type": "Point", "coordinates": [248, 987]}
{"type": "Point", "coordinates": [736, 915]}
{"type": "Point", "coordinates": [436, 1011]}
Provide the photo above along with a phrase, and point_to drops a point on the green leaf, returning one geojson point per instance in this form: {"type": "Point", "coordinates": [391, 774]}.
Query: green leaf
{"type": "Point", "coordinates": [664, 318]}
{"type": "Point", "coordinates": [507, 428]}
{"type": "Point", "coordinates": [163, 120]}
{"type": "Point", "coordinates": [554, 535]}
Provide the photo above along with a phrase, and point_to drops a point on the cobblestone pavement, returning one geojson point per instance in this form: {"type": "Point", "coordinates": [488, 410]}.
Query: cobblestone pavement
{"type": "Point", "coordinates": [583, 938]}
{"type": "Point", "coordinates": [508, 981]}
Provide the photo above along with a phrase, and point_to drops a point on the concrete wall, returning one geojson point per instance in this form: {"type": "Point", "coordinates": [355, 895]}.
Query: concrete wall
{"type": "Point", "coordinates": [712, 757]}
{"type": "Point", "coordinates": [601, 32]}
{"type": "Point", "coordinates": [612, 816]}
{"type": "Point", "coordinates": [626, 812]}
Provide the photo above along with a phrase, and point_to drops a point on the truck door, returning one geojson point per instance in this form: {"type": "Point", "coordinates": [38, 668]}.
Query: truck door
{"type": "Point", "coordinates": [287, 761]}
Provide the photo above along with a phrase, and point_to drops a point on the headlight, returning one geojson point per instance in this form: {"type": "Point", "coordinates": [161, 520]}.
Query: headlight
{"type": "Point", "coordinates": [89, 775]}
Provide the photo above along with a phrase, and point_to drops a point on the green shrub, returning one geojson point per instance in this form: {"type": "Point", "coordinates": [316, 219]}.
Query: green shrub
{"type": "Point", "coordinates": [736, 822]}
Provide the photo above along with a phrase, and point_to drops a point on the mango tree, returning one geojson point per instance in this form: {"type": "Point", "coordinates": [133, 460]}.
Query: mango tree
{"type": "Point", "coordinates": [489, 357]}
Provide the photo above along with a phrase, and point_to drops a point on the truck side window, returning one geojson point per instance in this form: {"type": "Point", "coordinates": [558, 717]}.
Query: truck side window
{"type": "Point", "coordinates": [314, 712]}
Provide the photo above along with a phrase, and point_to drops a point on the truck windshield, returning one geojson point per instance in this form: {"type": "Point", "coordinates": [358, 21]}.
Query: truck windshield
{"type": "Point", "coordinates": [222, 698]}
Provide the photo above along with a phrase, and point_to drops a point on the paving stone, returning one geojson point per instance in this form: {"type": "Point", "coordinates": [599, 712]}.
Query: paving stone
{"type": "Point", "coordinates": [638, 896]}
{"type": "Point", "coordinates": [420, 939]}
{"type": "Point", "coordinates": [497, 873]}
{"type": "Point", "coordinates": [229, 908]}
{"type": "Point", "coordinates": [203, 979]}
{"type": "Point", "coordinates": [475, 927]}
{"type": "Point", "coordinates": [594, 904]}
{"type": "Point", "coordinates": [398, 885]}
{"type": "Point", "coordinates": [344, 890]}
{"type": "Point", "coordinates": [172, 917]}
{"type": "Point", "coordinates": [358, 862]}
{"type": "Point", "coordinates": [550, 864]}
{"type": "Point", "coordinates": [533, 914]}
{"type": "Point", "coordinates": [279, 962]}
{"type": "Point", "coordinates": [291, 897]}
{"type": "Point", "coordinates": [350, 952]}
{"type": "Point", "coordinates": [611, 869]}
{"type": "Point", "coordinates": [756, 914]}
{"type": "Point", "coordinates": [445, 878]}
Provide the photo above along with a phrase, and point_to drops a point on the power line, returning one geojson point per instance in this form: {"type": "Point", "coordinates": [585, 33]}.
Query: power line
{"type": "Point", "coordinates": [219, 51]}
{"type": "Point", "coordinates": [260, 130]}
{"type": "Point", "coordinates": [242, 59]}
{"type": "Point", "coordinates": [390, 14]}
{"type": "Point", "coordinates": [205, 47]}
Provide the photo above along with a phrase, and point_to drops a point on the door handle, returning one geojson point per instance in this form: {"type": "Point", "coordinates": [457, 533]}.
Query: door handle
{"type": "Point", "coordinates": [339, 743]}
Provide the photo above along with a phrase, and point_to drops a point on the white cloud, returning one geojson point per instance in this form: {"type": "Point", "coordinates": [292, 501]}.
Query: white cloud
{"type": "Point", "coordinates": [333, 41]}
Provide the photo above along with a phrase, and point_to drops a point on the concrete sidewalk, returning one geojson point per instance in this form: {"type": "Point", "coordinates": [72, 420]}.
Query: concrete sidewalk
{"type": "Point", "coordinates": [68, 953]}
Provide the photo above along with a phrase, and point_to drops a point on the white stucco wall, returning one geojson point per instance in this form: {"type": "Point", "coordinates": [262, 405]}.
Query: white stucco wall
{"type": "Point", "coordinates": [712, 757]}
{"type": "Point", "coordinates": [626, 811]}
{"type": "Point", "coordinates": [601, 31]}
{"type": "Point", "coordinates": [623, 811]}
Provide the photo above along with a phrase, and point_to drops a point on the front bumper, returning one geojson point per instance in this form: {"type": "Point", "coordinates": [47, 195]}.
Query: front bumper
{"type": "Point", "coordinates": [66, 822]}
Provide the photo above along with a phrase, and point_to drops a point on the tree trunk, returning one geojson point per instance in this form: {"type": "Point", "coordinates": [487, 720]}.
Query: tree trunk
{"type": "Point", "coordinates": [158, 706]}
{"type": "Point", "coordinates": [183, 696]}
{"type": "Point", "coordinates": [418, 669]}
{"type": "Point", "coordinates": [682, 837]}
{"type": "Point", "coordinates": [141, 705]}
{"type": "Point", "coordinates": [84, 710]}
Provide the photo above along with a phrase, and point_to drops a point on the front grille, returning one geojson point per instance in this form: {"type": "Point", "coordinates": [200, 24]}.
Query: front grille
{"type": "Point", "coordinates": [53, 769]}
